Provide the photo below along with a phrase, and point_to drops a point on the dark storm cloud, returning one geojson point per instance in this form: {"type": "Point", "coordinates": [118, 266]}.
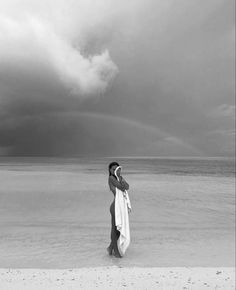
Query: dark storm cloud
{"type": "Point", "coordinates": [49, 38]}
{"type": "Point", "coordinates": [176, 74]}
{"type": "Point", "coordinates": [86, 133]}
{"type": "Point", "coordinates": [178, 69]}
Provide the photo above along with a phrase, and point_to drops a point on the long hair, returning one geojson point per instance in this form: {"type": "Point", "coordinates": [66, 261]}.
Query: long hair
{"type": "Point", "coordinates": [110, 166]}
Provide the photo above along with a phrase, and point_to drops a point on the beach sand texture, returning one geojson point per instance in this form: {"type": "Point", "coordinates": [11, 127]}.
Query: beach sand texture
{"type": "Point", "coordinates": [118, 278]}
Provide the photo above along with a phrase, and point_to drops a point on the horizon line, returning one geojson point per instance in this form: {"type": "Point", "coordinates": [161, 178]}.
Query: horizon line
{"type": "Point", "coordinates": [116, 156]}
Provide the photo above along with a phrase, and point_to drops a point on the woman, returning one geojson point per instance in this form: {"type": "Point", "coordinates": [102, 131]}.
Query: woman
{"type": "Point", "coordinates": [122, 185]}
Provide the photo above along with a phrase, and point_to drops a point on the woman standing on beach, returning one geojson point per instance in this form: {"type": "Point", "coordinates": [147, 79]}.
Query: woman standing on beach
{"type": "Point", "coordinates": [122, 185]}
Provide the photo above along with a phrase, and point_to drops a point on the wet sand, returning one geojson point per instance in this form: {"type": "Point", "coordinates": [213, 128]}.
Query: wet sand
{"type": "Point", "coordinates": [55, 227]}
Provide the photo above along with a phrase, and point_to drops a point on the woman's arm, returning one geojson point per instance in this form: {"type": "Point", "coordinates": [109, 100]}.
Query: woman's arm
{"type": "Point", "coordinates": [123, 182]}
{"type": "Point", "coordinates": [116, 183]}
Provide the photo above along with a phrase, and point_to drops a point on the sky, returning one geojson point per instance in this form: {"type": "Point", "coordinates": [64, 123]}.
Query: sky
{"type": "Point", "coordinates": [111, 78]}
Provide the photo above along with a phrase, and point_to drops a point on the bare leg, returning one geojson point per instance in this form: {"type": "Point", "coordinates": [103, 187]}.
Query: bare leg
{"type": "Point", "coordinates": [114, 233]}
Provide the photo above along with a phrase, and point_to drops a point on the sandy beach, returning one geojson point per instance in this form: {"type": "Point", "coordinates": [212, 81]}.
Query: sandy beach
{"type": "Point", "coordinates": [55, 226]}
{"type": "Point", "coordinates": [118, 278]}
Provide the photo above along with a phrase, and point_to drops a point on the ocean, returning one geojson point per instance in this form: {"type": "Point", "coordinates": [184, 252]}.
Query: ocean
{"type": "Point", "coordinates": [54, 212]}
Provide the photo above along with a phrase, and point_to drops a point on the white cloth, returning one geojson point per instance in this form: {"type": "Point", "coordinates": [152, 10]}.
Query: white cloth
{"type": "Point", "coordinates": [122, 203]}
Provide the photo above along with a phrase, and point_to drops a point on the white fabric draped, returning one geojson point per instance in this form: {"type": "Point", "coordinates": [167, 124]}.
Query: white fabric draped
{"type": "Point", "coordinates": [122, 203]}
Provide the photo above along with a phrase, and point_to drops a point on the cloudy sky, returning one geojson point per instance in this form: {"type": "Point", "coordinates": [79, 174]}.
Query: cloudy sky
{"type": "Point", "coordinates": [106, 77]}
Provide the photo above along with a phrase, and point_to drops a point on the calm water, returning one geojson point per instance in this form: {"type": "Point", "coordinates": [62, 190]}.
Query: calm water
{"type": "Point", "coordinates": [173, 166]}
{"type": "Point", "coordinates": [54, 213]}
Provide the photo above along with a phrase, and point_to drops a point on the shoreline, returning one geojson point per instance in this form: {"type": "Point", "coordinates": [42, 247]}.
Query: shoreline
{"type": "Point", "coordinates": [116, 277]}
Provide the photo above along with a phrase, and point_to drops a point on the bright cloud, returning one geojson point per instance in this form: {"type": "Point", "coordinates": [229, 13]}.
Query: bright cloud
{"type": "Point", "coordinates": [52, 36]}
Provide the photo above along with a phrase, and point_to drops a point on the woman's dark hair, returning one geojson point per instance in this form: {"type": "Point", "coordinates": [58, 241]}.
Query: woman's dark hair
{"type": "Point", "coordinates": [110, 166]}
